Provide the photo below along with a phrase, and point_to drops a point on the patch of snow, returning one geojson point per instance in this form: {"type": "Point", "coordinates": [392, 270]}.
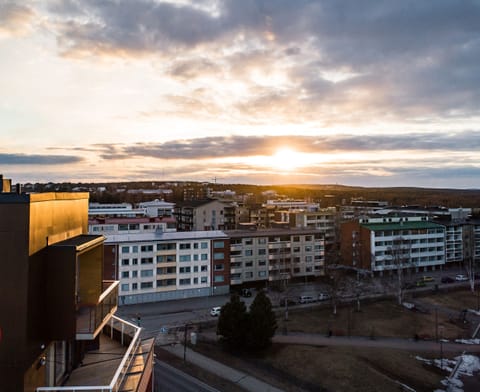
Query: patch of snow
{"type": "Point", "coordinates": [468, 341]}
{"type": "Point", "coordinates": [476, 312]}
{"type": "Point", "coordinates": [468, 366]}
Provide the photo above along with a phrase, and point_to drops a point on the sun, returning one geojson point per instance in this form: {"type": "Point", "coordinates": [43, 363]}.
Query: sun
{"type": "Point", "coordinates": [286, 159]}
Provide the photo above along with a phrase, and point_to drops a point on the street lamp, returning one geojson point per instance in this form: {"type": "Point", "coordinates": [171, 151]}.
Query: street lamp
{"type": "Point", "coordinates": [441, 346]}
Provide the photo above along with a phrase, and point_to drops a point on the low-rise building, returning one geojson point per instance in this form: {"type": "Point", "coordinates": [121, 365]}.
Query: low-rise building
{"type": "Point", "coordinates": [160, 266]}
{"type": "Point", "coordinates": [380, 244]}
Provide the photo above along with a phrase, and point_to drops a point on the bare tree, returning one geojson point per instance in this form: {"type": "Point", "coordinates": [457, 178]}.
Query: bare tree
{"type": "Point", "coordinates": [399, 254]}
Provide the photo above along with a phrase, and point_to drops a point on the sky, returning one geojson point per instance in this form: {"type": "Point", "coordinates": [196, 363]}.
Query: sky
{"type": "Point", "coordinates": [365, 93]}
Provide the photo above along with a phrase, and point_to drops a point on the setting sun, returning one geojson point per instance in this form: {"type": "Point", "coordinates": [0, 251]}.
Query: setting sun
{"type": "Point", "coordinates": [286, 159]}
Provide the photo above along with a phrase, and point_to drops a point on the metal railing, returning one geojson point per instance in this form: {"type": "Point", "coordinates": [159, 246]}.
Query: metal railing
{"type": "Point", "coordinates": [127, 331]}
{"type": "Point", "coordinates": [89, 318]}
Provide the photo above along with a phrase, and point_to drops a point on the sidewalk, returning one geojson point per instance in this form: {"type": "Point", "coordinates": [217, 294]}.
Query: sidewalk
{"type": "Point", "coordinates": [244, 380]}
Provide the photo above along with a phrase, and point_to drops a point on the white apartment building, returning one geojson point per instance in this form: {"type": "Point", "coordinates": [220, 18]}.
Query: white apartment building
{"type": "Point", "coordinates": [388, 243]}
{"type": "Point", "coordinates": [275, 255]}
{"type": "Point", "coordinates": [157, 208]}
{"type": "Point", "coordinates": [160, 266]}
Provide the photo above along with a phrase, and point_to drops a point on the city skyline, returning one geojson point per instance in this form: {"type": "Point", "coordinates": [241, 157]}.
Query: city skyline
{"type": "Point", "coordinates": [377, 93]}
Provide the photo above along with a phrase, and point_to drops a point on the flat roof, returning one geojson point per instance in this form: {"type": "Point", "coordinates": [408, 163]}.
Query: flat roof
{"type": "Point", "coordinates": [12, 197]}
{"type": "Point", "coordinates": [268, 232]}
{"type": "Point", "coordinates": [165, 236]}
{"type": "Point", "coordinates": [81, 242]}
{"type": "Point", "coordinates": [401, 225]}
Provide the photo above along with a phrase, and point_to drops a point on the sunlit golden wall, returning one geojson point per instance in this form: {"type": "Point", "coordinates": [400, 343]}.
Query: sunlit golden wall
{"type": "Point", "coordinates": [55, 217]}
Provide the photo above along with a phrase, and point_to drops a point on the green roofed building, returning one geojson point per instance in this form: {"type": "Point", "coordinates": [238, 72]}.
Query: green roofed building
{"type": "Point", "coordinates": [387, 243]}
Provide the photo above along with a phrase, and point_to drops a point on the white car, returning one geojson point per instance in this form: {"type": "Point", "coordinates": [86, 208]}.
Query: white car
{"type": "Point", "coordinates": [461, 278]}
{"type": "Point", "coordinates": [215, 311]}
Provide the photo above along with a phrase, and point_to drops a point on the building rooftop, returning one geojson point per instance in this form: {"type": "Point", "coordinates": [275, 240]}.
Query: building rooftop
{"type": "Point", "coordinates": [81, 241]}
{"type": "Point", "coordinates": [270, 232]}
{"type": "Point", "coordinates": [401, 225]}
{"type": "Point", "coordinates": [165, 236]}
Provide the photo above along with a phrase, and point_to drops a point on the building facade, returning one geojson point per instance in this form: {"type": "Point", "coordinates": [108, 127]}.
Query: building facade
{"type": "Point", "coordinates": [204, 215]}
{"type": "Point", "coordinates": [275, 255]}
{"type": "Point", "coordinates": [160, 266]}
{"type": "Point", "coordinates": [383, 244]}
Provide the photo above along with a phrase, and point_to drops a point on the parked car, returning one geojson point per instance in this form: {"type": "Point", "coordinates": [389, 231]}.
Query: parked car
{"type": "Point", "coordinates": [323, 296]}
{"type": "Point", "coordinates": [215, 311]}
{"type": "Point", "coordinates": [461, 278]}
{"type": "Point", "coordinates": [305, 299]}
{"type": "Point", "coordinates": [447, 279]}
{"type": "Point", "coordinates": [428, 279]}
{"type": "Point", "coordinates": [246, 293]}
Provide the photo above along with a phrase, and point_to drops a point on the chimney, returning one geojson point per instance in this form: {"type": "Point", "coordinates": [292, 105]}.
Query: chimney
{"type": "Point", "coordinates": [5, 184]}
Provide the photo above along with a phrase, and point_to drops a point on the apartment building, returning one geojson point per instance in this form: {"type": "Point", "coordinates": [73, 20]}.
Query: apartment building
{"type": "Point", "coordinates": [203, 215]}
{"type": "Point", "coordinates": [381, 244]}
{"type": "Point", "coordinates": [57, 312]}
{"type": "Point", "coordinates": [275, 255]}
{"type": "Point", "coordinates": [160, 266]}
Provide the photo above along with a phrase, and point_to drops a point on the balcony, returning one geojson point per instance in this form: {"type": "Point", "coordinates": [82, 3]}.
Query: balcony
{"type": "Point", "coordinates": [92, 318]}
{"type": "Point", "coordinates": [127, 362]}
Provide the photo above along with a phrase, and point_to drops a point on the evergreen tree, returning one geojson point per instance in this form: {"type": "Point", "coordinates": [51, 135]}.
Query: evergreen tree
{"type": "Point", "coordinates": [233, 323]}
{"type": "Point", "coordinates": [262, 323]}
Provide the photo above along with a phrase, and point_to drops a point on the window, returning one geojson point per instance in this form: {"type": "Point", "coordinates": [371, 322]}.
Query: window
{"type": "Point", "coordinates": [219, 244]}
{"type": "Point", "coordinates": [204, 245]}
{"type": "Point", "coordinates": [262, 262]}
{"type": "Point", "coordinates": [125, 249]}
{"type": "Point", "coordinates": [249, 263]}
{"type": "Point", "coordinates": [146, 285]}
{"type": "Point", "coordinates": [204, 256]}
{"type": "Point", "coordinates": [195, 280]}
{"type": "Point", "coordinates": [247, 275]}
{"type": "Point", "coordinates": [134, 261]}
{"type": "Point", "coordinates": [195, 257]}
{"type": "Point", "coordinates": [262, 241]}
{"type": "Point", "coordinates": [134, 286]}
{"type": "Point", "coordinates": [218, 256]}
{"type": "Point", "coordinates": [125, 262]}
{"type": "Point", "coordinates": [166, 259]}
{"type": "Point", "coordinates": [125, 275]}
{"type": "Point", "coordinates": [185, 270]}
{"type": "Point", "coordinates": [146, 260]}
{"type": "Point", "coordinates": [166, 282]}
{"type": "Point", "coordinates": [134, 274]}
{"type": "Point", "coordinates": [248, 241]}
{"type": "Point", "coordinates": [122, 227]}
{"type": "Point", "coordinates": [125, 287]}
{"type": "Point", "coordinates": [219, 278]}
{"type": "Point", "coordinates": [219, 267]}
{"type": "Point", "coordinates": [195, 245]}
{"type": "Point", "coordinates": [146, 273]}
{"type": "Point", "coordinates": [166, 246]}
{"type": "Point", "coordinates": [135, 249]}
{"type": "Point", "coordinates": [184, 282]}
{"type": "Point", "coordinates": [184, 258]}
{"type": "Point", "coordinates": [296, 238]}
{"type": "Point", "coordinates": [248, 252]}
{"type": "Point", "coordinates": [262, 274]}
{"type": "Point", "coordinates": [262, 252]}
{"type": "Point", "coordinates": [203, 268]}
{"type": "Point", "coordinates": [185, 246]}
{"type": "Point", "coordinates": [195, 269]}
{"type": "Point", "coordinates": [146, 248]}
{"type": "Point", "coordinates": [203, 279]}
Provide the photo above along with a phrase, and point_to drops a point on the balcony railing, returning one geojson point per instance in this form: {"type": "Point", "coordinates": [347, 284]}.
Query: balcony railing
{"type": "Point", "coordinates": [127, 334]}
{"type": "Point", "coordinates": [92, 318]}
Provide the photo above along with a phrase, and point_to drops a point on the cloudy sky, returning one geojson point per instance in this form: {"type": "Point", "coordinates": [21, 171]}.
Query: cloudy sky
{"type": "Point", "coordinates": [373, 93]}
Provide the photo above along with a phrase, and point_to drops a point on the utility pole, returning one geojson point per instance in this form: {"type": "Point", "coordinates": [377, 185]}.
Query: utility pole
{"type": "Point", "coordinates": [185, 344]}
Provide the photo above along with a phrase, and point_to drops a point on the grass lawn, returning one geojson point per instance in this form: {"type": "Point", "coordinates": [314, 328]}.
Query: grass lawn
{"type": "Point", "coordinates": [307, 368]}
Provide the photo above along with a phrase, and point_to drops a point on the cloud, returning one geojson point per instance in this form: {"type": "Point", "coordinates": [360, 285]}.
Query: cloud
{"type": "Point", "coordinates": [244, 146]}
{"type": "Point", "coordinates": [14, 18]}
{"type": "Point", "coordinates": [32, 159]}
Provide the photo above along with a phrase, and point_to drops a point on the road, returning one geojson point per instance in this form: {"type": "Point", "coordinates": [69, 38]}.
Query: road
{"type": "Point", "coordinates": [169, 379]}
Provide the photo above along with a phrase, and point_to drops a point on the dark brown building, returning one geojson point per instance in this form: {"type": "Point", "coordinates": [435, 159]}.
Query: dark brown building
{"type": "Point", "coordinates": [55, 306]}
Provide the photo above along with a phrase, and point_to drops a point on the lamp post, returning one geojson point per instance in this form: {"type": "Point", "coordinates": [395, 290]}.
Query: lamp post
{"type": "Point", "coordinates": [441, 346]}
